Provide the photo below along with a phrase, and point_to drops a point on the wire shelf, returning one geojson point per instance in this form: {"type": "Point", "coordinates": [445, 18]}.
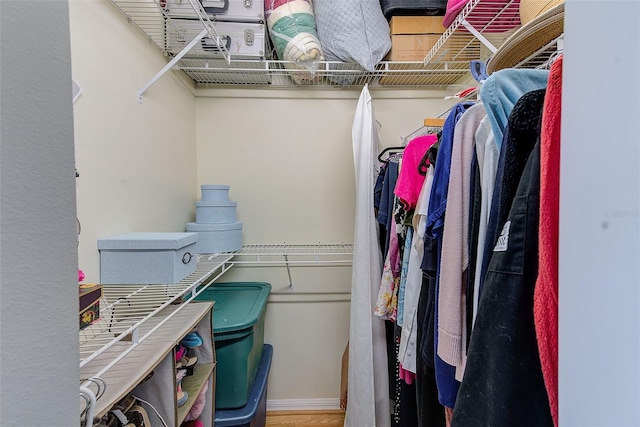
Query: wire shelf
{"type": "Point", "coordinates": [153, 18]}
{"type": "Point", "coordinates": [340, 253]}
{"type": "Point", "coordinates": [159, 24]}
{"type": "Point", "coordinates": [477, 31]}
{"type": "Point", "coordinates": [125, 308]}
{"type": "Point", "coordinates": [211, 71]}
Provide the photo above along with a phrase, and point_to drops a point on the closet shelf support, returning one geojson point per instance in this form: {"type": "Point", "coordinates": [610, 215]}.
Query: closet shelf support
{"type": "Point", "coordinates": [171, 63]}
{"type": "Point", "coordinates": [479, 36]}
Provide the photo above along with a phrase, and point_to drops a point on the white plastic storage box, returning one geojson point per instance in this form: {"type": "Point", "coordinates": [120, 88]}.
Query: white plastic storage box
{"type": "Point", "coordinates": [214, 193]}
{"type": "Point", "coordinates": [216, 212]}
{"type": "Point", "coordinates": [221, 10]}
{"type": "Point", "coordinates": [147, 258]}
{"type": "Point", "coordinates": [242, 40]}
{"type": "Point", "coordinates": [217, 238]}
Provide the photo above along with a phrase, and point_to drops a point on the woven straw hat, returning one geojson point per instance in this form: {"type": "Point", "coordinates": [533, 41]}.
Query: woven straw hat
{"type": "Point", "coordinates": [542, 22]}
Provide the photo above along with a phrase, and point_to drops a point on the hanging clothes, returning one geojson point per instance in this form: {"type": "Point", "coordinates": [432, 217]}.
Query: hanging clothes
{"type": "Point", "coordinates": [387, 198]}
{"type": "Point", "coordinates": [408, 342]}
{"type": "Point", "coordinates": [503, 383]}
{"type": "Point", "coordinates": [445, 373]}
{"type": "Point", "coordinates": [502, 89]}
{"type": "Point", "coordinates": [520, 135]}
{"type": "Point", "coordinates": [368, 392]}
{"type": "Point", "coordinates": [500, 92]}
{"type": "Point", "coordinates": [545, 300]}
{"type": "Point", "coordinates": [454, 260]}
{"type": "Point", "coordinates": [408, 189]}
{"type": "Point", "coordinates": [386, 306]}
{"type": "Point", "coordinates": [487, 155]}
{"type": "Point", "coordinates": [431, 412]}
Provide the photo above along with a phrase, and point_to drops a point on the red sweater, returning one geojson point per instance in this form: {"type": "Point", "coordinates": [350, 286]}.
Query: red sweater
{"type": "Point", "coordinates": [545, 303]}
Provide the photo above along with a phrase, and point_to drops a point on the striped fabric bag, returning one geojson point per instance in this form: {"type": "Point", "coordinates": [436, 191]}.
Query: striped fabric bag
{"type": "Point", "coordinates": [292, 27]}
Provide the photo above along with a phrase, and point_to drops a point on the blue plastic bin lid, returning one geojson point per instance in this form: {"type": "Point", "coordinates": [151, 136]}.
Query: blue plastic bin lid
{"type": "Point", "coordinates": [243, 416]}
{"type": "Point", "coordinates": [148, 240]}
{"type": "Point", "coordinates": [238, 305]}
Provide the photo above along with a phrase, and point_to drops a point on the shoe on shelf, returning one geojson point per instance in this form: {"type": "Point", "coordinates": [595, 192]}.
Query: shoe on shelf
{"type": "Point", "coordinates": [187, 363]}
{"type": "Point", "coordinates": [182, 396]}
{"type": "Point", "coordinates": [181, 351]}
{"type": "Point", "coordinates": [191, 340]}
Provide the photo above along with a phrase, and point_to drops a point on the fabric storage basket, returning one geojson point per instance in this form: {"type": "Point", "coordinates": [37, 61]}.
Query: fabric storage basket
{"type": "Point", "coordinates": [214, 193]}
{"type": "Point", "coordinates": [254, 413]}
{"type": "Point", "coordinates": [216, 212]}
{"type": "Point", "coordinates": [243, 40]}
{"type": "Point", "coordinates": [217, 238]}
{"type": "Point", "coordinates": [238, 333]}
{"type": "Point", "coordinates": [147, 258]}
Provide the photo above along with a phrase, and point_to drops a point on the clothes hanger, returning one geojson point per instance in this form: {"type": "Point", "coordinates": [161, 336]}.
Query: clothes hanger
{"type": "Point", "coordinates": [398, 148]}
{"type": "Point", "coordinates": [555, 55]}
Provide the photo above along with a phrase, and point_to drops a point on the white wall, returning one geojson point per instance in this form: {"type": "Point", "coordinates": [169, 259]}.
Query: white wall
{"type": "Point", "coordinates": [136, 161]}
{"type": "Point", "coordinates": [287, 155]}
{"type": "Point", "coordinates": [599, 277]}
{"type": "Point", "coordinates": [38, 290]}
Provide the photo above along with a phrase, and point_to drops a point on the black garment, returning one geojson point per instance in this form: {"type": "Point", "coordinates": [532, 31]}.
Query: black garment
{"type": "Point", "coordinates": [426, 304]}
{"type": "Point", "coordinates": [521, 134]}
{"type": "Point", "coordinates": [429, 410]}
{"type": "Point", "coordinates": [503, 383]}
{"type": "Point", "coordinates": [408, 405]}
{"type": "Point", "coordinates": [387, 197]}
{"type": "Point", "coordinates": [475, 204]}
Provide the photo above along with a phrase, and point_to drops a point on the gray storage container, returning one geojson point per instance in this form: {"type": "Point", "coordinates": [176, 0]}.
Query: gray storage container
{"type": "Point", "coordinates": [217, 238]}
{"type": "Point", "coordinates": [214, 193]}
{"type": "Point", "coordinates": [243, 11]}
{"type": "Point", "coordinates": [221, 10]}
{"type": "Point", "coordinates": [184, 9]}
{"type": "Point", "coordinates": [242, 40]}
{"type": "Point", "coordinates": [147, 258]}
{"type": "Point", "coordinates": [216, 212]}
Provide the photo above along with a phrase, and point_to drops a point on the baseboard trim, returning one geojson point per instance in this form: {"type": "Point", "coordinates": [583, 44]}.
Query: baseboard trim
{"type": "Point", "coordinates": [302, 404]}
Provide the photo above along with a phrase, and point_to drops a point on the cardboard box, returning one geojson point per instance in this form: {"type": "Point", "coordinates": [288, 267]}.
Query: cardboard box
{"type": "Point", "coordinates": [411, 47]}
{"type": "Point", "coordinates": [89, 296]}
{"type": "Point", "coordinates": [416, 25]}
{"type": "Point", "coordinates": [414, 47]}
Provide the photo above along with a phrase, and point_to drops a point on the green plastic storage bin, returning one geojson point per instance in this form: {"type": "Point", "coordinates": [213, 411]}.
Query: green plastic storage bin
{"type": "Point", "coordinates": [238, 334]}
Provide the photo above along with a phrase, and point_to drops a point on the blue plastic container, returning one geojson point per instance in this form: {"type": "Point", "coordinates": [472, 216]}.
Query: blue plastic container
{"type": "Point", "coordinates": [238, 333]}
{"type": "Point", "coordinates": [254, 414]}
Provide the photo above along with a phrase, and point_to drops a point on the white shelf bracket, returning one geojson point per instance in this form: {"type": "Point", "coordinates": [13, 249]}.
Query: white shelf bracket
{"type": "Point", "coordinates": [171, 63]}
{"type": "Point", "coordinates": [479, 36]}
{"type": "Point", "coordinates": [286, 261]}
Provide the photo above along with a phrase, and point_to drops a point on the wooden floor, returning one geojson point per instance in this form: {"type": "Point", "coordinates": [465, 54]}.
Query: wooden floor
{"type": "Point", "coordinates": [316, 418]}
